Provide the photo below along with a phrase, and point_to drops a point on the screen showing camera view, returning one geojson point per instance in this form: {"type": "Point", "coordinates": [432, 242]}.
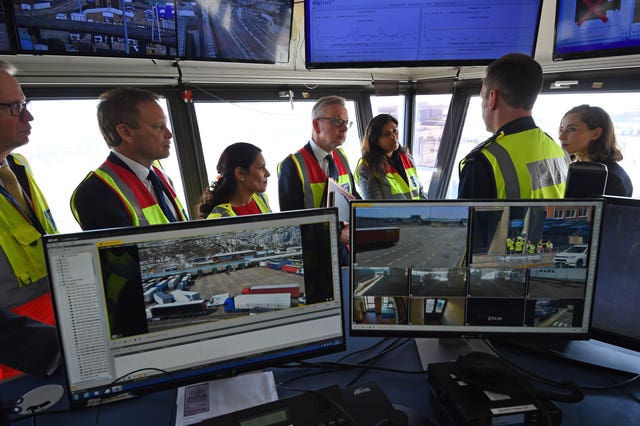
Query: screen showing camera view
{"type": "Point", "coordinates": [473, 266]}
{"type": "Point", "coordinates": [195, 298]}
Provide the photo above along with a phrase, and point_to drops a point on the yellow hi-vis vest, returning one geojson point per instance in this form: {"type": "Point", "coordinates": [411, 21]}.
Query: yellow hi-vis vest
{"type": "Point", "coordinates": [314, 179]}
{"type": "Point", "coordinates": [393, 186]}
{"type": "Point", "coordinates": [225, 210]}
{"type": "Point", "coordinates": [142, 207]}
{"type": "Point", "coordinates": [20, 237]}
{"type": "Point", "coordinates": [527, 164]}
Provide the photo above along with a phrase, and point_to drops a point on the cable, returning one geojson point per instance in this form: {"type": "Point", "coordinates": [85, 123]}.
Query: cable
{"type": "Point", "coordinates": [102, 394]}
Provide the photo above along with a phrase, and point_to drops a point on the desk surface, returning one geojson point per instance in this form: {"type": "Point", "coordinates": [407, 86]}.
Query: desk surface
{"type": "Point", "coordinates": [612, 407]}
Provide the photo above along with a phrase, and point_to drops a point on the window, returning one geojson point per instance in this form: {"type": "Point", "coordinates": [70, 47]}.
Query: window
{"type": "Point", "coordinates": [62, 153]}
{"type": "Point", "coordinates": [392, 105]}
{"type": "Point", "coordinates": [431, 114]}
{"type": "Point", "coordinates": [278, 128]}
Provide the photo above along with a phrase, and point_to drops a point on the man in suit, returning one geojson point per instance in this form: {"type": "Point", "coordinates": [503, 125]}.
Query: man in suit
{"type": "Point", "coordinates": [302, 176]}
{"type": "Point", "coordinates": [128, 189]}
{"type": "Point", "coordinates": [24, 218]}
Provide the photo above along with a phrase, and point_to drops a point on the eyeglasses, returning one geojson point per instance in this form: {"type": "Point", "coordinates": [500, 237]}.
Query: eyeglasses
{"type": "Point", "coordinates": [337, 122]}
{"type": "Point", "coordinates": [16, 108]}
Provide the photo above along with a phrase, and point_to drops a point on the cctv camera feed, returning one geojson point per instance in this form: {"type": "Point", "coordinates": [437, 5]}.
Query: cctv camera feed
{"type": "Point", "coordinates": [239, 30]}
{"type": "Point", "coordinates": [195, 298]}
{"type": "Point", "coordinates": [97, 27]}
{"type": "Point", "coordinates": [455, 266]}
{"type": "Point", "coordinates": [160, 285]}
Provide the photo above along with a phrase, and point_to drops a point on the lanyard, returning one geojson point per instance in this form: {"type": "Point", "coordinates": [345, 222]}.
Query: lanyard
{"type": "Point", "coordinates": [29, 214]}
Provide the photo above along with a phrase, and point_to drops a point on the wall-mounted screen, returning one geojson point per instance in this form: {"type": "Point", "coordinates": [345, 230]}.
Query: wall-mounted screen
{"type": "Point", "coordinates": [96, 28]}
{"type": "Point", "coordinates": [242, 31]}
{"type": "Point", "coordinates": [383, 33]}
{"type": "Point", "coordinates": [591, 29]}
{"type": "Point", "coordinates": [473, 268]}
{"type": "Point", "coordinates": [221, 30]}
{"type": "Point", "coordinates": [157, 306]}
{"type": "Point", "coordinates": [6, 45]}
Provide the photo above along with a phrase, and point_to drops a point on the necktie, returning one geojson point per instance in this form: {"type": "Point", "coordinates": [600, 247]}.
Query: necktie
{"type": "Point", "coordinates": [162, 201]}
{"type": "Point", "coordinates": [12, 186]}
{"type": "Point", "coordinates": [333, 171]}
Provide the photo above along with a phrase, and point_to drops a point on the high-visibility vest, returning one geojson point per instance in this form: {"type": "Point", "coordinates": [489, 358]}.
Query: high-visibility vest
{"type": "Point", "coordinates": [226, 210]}
{"type": "Point", "coordinates": [314, 179]}
{"type": "Point", "coordinates": [23, 260]}
{"type": "Point", "coordinates": [392, 184]}
{"type": "Point", "coordinates": [527, 164]}
{"type": "Point", "coordinates": [142, 207]}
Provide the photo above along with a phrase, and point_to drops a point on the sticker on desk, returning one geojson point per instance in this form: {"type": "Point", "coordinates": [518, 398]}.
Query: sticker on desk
{"type": "Point", "coordinates": [196, 399]}
{"type": "Point", "coordinates": [496, 396]}
{"type": "Point", "coordinates": [515, 409]}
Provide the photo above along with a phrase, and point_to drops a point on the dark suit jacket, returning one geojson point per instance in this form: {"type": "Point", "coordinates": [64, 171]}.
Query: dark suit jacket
{"type": "Point", "coordinates": [28, 345]}
{"type": "Point", "coordinates": [290, 193]}
{"type": "Point", "coordinates": [98, 206]}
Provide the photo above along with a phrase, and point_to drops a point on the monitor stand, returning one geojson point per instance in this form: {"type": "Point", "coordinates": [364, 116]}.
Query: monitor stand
{"type": "Point", "coordinates": [434, 350]}
{"type": "Point", "coordinates": [590, 352]}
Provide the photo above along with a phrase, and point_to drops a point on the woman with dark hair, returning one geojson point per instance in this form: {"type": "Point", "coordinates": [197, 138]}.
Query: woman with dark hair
{"type": "Point", "coordinates": [587, 134]}
{"type": "Point", "coordinates": [239, 188]}
{"type": "Point", "coordinates": [386, 170]}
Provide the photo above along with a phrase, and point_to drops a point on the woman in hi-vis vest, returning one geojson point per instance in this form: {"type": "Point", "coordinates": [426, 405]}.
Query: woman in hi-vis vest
{"type": "Point", "coordinates": [240, 186]}
{"type": "Point", "coordinates": [386, 170]}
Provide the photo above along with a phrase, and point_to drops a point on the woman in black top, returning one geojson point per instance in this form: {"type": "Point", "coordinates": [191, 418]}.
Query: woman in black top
{"type": "Point", "coordinates": [587, 134]}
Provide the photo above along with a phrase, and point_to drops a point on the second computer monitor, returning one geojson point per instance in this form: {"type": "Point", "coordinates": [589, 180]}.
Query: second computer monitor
{"type": "Point", "coordinates": [473, 268]}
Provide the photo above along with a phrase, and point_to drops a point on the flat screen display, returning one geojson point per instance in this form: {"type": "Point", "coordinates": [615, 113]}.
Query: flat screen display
{"type": "Point", "coordinates": [591, 29]}
{"type": "Point", "coordinates": [222, 30]}
{"type": "Point", "coordinates": [96, 28]}
{"type": "Point", "coordinates": [158, 306]}
{"type": "Point", "coordinates": [617, 296]}
{"type": "Point", "coordinates": [242, 31]}
{"type": "Point", "coordinates": [6, 45]}
{"type": "Point", "coordinates": [473, 268]}
{"type": "Point", "coordinates": [383, 33]}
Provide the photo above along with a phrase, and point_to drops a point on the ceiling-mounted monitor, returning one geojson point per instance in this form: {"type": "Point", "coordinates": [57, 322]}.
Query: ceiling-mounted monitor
{"type": "Point", "coordinates": [235, 31]}
{"type": "Point", "coordinates": [6, 43]}
{"type": "Point", "coordinates": [592, 29]}
{"type": "Point", "coordinates": [217, 30]}
{"type": "Point", "coordinates": [96, 28]}
{"type": "Point", "coordinates": [384, 33]}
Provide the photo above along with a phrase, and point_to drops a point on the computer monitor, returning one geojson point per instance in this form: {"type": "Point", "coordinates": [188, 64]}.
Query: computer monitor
{"type": "Point", "coordinates": [594, 29]}
{"type": "Point", "coordinates": [473, 269]}
{"type": "Point", "coordinates": [385, 33]}
{"type": "Point", "coordinates": [615, 329]}
{"type": "Point", "coordinates": [197, 300]}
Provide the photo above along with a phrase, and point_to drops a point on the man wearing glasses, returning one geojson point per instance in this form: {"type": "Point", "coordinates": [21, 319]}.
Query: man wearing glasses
{"type": "Point", "coordinates": [25, 303]}
{"type": "Point", "coordinates": [302, 176]}
{"type": "Point", "coordinates": [128, 189]}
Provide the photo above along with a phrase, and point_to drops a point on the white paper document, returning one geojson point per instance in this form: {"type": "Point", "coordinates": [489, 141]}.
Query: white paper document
{"type": "Point", "coordinates": [205, 400]}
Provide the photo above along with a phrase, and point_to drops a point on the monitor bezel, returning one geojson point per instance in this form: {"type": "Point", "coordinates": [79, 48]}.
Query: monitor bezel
{"type": "Point", "coordinates": [218, 370]}
{"type": "Point", "coordinates": [586, 53]}
{"type": "Point", "coordinates": [522, 331]}
{"type": "Point", "coordinates": [394, 63]}
{"type": "Point", "coordinates": [608, 336]}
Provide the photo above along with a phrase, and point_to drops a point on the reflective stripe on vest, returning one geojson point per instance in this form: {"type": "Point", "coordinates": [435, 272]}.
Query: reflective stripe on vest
{"type": "Point", "coordinates": [226, 210]}
{"type": "Point", "coordinates": [314, 179]}
{"type": "Point", "coordinates": [543, 170]}
{"type": "Point", "coordinates": [394, 186]}
{"type": "Point", "coordinates": [21, 242]}
{"type": "Point", "coordinates": [142, 207]}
